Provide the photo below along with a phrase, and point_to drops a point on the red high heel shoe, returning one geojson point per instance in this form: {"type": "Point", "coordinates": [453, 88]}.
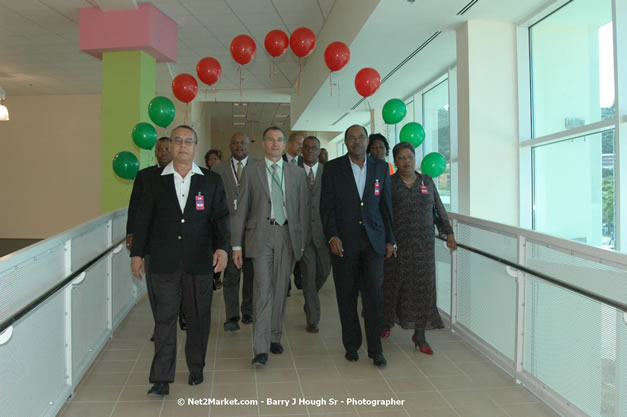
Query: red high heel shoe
{"type": "Point", "coordinates": [385, 334]}
{"type": "Point", "coordinates": [423, 348]}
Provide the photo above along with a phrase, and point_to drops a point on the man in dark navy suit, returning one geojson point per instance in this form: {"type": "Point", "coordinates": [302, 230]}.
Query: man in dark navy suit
{"type": "Point", "coordinates": [184, 224]}
{"type": "Point", "coordinates": [356, 210]}
{"type": "Point", "coordinates": [163, 157]}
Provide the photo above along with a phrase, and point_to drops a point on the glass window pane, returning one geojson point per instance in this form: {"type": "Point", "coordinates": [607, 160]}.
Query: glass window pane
{"type": "Point", "coordinates": [573, 197]}
{"type": "Point", "coordinates": [435, 110]}
{"type": "Point", "coordinates": [572, 67]}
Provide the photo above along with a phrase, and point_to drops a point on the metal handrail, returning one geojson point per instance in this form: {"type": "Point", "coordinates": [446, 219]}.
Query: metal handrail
{"type": "Point", "coordinates": [545, 277]}
{"type": "Point", "coordinates": [32, 305]}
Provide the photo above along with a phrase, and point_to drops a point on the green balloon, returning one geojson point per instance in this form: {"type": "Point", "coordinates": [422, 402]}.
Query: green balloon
{"type": "Point", "coordinates": [413, 133]}
{"type": "Point", "coordinates": [126, 165]}
{"type": "Point", "coordinates": [394, 111]}
{"type": "Point", "coordinates": [144, 135]}
{"type": "Point", "coordinates": [161, 111]}
{"type": "Point", "coordinates": [433, 164]}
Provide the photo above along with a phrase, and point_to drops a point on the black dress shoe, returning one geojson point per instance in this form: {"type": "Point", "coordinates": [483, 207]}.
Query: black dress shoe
{"type": "Point", "coordinates": [260, 359]}
{"type": "Point", "coordinates": [247, 318]}
{"type": "Point", "coordinates": [378, 359]}
{"type": "Point", "coordinates": [311, 328]}
{"type": "Point", "coordinates": [195, 378]}
{"type": "Point", "coordinates": [231, 325]}
{"type": "Point", "coordinates": [352, 356]}
{"type": "Point", "coordinates": [276, 348]}
{"type": "Point", "coordinates": [159, 389]}
{"type": "Point", "coordinates": [182, 322]}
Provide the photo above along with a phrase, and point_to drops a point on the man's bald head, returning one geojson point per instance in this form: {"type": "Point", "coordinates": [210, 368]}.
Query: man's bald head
{"type": "Point", "coordinates": [239, 145]}
{"type": "Point", "coordinates": [295, 144]}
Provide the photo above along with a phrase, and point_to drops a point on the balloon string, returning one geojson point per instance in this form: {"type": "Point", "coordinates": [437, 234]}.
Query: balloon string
{"type": "Point", "coordinates": [215, 95]}
{"type": "Point", "coordinates": [371, 116]}
{"type": "Point", "coordinates": [270, 71]}
{"type": "Point", "coordinates": [300, 67]}
{"type": "Point", "coordinates": [186, 109]}
{"type": "Point", "coordinates": [331, 81]}
{"type": "Point", "coordinates": [240, 81]}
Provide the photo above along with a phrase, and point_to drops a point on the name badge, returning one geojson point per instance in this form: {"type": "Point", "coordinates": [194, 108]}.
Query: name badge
{"type": "Point", "coordinates": [235, 204]}
{"type": "Point", "coordinates": [377, 187]}
{"type": "Point", "coordinates": [200, 202]}
{"type": "Point", "coordinates": [424, 189]}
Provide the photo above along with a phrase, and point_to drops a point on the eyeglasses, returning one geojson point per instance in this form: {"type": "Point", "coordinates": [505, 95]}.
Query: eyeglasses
{"type": "Point", "coordinates": [181, 141]}
{"type": "Point", "coordinates": [356, 139]}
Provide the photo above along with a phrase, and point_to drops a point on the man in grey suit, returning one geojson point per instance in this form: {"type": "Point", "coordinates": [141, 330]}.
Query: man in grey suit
{"type": "Point", "coordinates": [316, 262]}
{"type": "Point", "coordinates": [231, 172]}
{"type": "Point", "coordinates": [270, 221]}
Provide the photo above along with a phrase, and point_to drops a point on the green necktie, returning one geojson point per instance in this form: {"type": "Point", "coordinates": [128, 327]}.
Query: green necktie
{"type": "Point", "coordinates": [239, 170]}
{"type": "Point", "coordinates": [277, 196]}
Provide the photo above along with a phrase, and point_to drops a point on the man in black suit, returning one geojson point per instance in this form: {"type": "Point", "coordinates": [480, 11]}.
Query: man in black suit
{"type": "Point", "coordinates": [356, 211]}
{"type": "Point", "coordinates": [185, 219]}
{"type": "Point", "coordinates": [163, 158]}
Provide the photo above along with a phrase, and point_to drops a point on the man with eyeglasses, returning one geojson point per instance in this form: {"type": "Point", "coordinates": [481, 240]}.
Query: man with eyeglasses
{"type": "Point", "coordinates": [184, 225]}
{"type": "Point", "coordinates": [270, 221]}
{"type": "Point", "coordinates": [356, 211]}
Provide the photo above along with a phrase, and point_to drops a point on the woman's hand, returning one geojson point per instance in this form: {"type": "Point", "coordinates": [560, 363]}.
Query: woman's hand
{"type": "Point", "coordinates": [451, 243]}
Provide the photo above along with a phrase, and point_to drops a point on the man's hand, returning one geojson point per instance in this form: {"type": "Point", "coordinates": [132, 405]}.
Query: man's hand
{"type": "Point", "coordinates": [129, 241]}
{"type": "Point", "coordinates": [137, 267]}
{"type": "Point", "coordinates": [451, 243]}
{"type": "Point", "coordinates": [219, 260]}
{"type": "Point", "coordinates": [237, 259]}
{"type": "Point", "coordinates": [335, 244]}
{"type": "Point", "coordinates": [390, 251]}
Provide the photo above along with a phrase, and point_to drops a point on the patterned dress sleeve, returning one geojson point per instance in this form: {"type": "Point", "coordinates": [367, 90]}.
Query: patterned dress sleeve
{"type": "Point", "coordinates": [440, 218]}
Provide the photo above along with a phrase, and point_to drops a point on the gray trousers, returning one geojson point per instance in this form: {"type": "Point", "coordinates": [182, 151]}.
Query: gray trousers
{"type": "Point", "coordinates": [315, 265]}
{"type": "Point", "coordinates": [272, 276]}
{"type": "Point", "coordinates": [231, 285]}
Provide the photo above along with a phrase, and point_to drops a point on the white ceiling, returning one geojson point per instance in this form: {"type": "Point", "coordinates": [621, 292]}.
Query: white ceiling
{"type": "Point", "coordinates": [39, 52]}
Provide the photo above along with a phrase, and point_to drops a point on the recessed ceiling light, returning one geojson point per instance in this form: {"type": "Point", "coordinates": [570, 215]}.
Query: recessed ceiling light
{"type": "Point", "coordinates": [281, 115]}
{"type": "Point", "coordinates": [239, 115]}
{"type": "Point", "coordinates": [239, 124]}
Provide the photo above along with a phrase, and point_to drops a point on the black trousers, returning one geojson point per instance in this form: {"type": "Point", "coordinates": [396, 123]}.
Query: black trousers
{"type": "Point", "coordinates": [360, 270]}
{"type": "Point", "coordinates": [171, 292]}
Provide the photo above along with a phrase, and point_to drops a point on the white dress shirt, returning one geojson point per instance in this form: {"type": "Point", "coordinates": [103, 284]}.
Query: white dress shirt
{"type": "Point", "coordinates": [313, 168]}
{"type": "Point", "coordinates": [182, 184]}
{"type": "Point", "coordinates": [271, 183]}
{"type": "Point", "coordinates": [360, 176]}
{"type": "Point", "coordinates": [234, 162]}
{"type": "Point", "coordinates": [291, 158]}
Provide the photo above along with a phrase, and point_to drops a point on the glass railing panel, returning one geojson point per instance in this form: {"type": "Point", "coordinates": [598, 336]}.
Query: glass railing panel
{"type": "Point", "coordinates": [486, 300]}
{"type": "Point", "coordinates": [443, 276]}
{"type": "Point", "coordinates": [499, 244]}
{"type": "Point", "coordinates": [571, 346]}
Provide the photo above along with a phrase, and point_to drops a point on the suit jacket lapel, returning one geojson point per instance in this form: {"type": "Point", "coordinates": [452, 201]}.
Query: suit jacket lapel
{"type": "Point", "coordinates": [318, 180]}
{"type": "Point", "coordinates": [261, 169]}
{"type": "Point", "coordinates": [370, 177]}
{"type": "Point", "coordinates": [170, 190]}
{"type": "Point", "coordinates": [194, 188]}
{"type": "Point", "coordinates": [348, 171]}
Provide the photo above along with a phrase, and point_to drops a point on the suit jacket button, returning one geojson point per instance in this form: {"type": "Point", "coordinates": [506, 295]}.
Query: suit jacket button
{"type": "Point", "coordinates": [182, 220]}
{"type": "Point", "coordinates": [360, 222]}
{"type": "Point", "coordinates": [180, 237]}
{"type": "Point", "coordinates": [362, 204]}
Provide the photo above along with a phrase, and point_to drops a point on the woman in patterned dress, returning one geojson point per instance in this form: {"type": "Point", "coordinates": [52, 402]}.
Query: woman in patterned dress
{"type": "Point", "coordinates": [409, 280]}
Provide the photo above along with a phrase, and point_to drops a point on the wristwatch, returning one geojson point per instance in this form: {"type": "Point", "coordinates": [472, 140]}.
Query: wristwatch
{"type": "Point", "coordinates": [394, 246]}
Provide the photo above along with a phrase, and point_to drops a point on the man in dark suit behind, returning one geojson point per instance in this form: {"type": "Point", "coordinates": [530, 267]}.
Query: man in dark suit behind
{"type": "Point", "coordinates": [356, 210]}
{"type": "Point", "coordinates": [184, 216]}
{"type": "Point", "coordinates": [163, 157]}
{"type": "Point", "coordinates": [293, 156]}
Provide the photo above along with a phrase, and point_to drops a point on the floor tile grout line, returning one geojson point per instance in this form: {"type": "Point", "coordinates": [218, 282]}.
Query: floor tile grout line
{"type": "Point", "coordinates": [428, 379]}
{"type": "Point", "coordinates": [302, 392]}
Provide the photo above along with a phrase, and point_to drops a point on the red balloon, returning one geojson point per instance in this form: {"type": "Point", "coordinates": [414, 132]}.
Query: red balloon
{"type": "Point", "coordinates": [302, 42]}
{"type": "Point", "coordinates": [209, 70]}
{"type": "Point", "coordinates": [367, 81]}
{"type": "Point", "coordinates": [243, 49]}
{"type": "Point", "coordinates": [337, 55]}
{"type": "Point", "coordinates": [185, 87]}
{"type": "Point", "coordinates": [276, 43]}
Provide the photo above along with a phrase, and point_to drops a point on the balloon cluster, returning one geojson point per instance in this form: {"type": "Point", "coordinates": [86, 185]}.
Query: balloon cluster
{"type": "Point", "coordinates": [394, 110]}
{"type": "Point", "coordinates": [161, 111]}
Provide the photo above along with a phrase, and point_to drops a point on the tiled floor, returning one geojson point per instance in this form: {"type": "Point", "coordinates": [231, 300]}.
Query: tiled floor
{"type": "Point", "coordinates": [456, 381]}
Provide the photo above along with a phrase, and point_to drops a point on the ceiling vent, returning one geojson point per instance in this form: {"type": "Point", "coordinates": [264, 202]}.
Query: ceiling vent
{"type": "Point", "coordinates": [467, 7]}
{"type": "Point", "coordinates": [402, 63]}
